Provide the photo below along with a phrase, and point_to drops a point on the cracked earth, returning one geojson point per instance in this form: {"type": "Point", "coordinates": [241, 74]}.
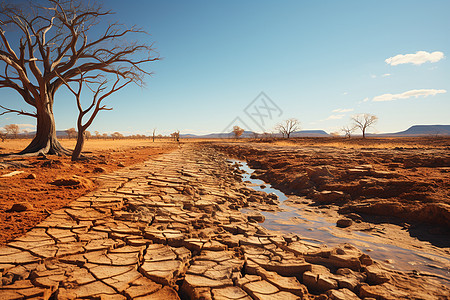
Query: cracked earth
{"type": "Point", "coordinates": [171, 228]}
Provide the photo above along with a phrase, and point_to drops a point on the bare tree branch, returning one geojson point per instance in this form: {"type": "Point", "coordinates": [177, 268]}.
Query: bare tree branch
{"type": "Point", "coordinates": [19, 112]}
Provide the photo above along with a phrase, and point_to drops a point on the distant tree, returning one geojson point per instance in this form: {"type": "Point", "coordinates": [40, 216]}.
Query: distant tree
{"type": "Point", "coordinates": [87, 135]}
{"type": "Point", "coordinates": [176, 135]}
{"type": "Point", "coordinates": [105, 135]}
{"type": "Point", "coordinates": [287, 127]}
{"type": "Point", "coordinates": [364, 121]}
{"type": "Point", "coordinates": [154, 130]}
{"type": "Point", "coordinates": [116, 135]}
{"type": "Point", "coordinates": [335, 134]}
{"type": "Point", "coordinates": [12, 129]}
{"type": "Point", "coordinates": [71, 133]}
{"type": "Point", "coordinates": [97, 134]}
{"type": "Point", "coordinates": [3, 136]}
{"type": "Point", "coordinates": [267, 135]}
{"type": "Point", "coordinates": [237, 131]}
{"type": "Point", "coordinates": [348, 130]}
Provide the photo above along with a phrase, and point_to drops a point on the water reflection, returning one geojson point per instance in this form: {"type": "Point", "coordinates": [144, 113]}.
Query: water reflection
{"type": "Point", "coordinates": [319, 230]}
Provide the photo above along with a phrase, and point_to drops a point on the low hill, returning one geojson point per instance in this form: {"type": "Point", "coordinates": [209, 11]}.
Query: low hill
{"type": "Point", "coordinates": [418, 130]}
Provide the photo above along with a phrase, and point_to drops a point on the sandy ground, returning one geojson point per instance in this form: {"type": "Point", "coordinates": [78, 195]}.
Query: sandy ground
{"type": "Point", "coordinates": [41, 197]}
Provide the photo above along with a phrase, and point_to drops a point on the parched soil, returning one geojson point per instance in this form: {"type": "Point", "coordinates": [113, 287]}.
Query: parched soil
{"type": "Point", "coordinates": [44, 184]}
{"type": "Point", "coordinates": [172, 228]}
{"type": "Point", "coordinates": [408, 179]}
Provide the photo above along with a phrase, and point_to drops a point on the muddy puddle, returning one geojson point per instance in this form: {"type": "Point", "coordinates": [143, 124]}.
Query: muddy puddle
{"type": "Point", "coordinates": [316, 225]}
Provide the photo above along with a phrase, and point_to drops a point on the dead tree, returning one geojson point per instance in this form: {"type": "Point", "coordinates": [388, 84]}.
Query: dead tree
{"type": "Point", "coordinates": [41, 47]}
{"type": "Point", "coordinates": [98, 86]}
{"type": "Point", "coordinates": [287, 127]}
{"type": "Point", "coordinates": [348, 130]}
{"type": "Point", "coordinates": [154, 130]}
{"type": "Point", "coordinates": [364, 121]}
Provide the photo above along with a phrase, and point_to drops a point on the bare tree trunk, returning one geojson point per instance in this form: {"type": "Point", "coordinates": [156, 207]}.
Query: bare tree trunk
{"type": "Point", "coordinates": [79, 146]}
{"type": "Point", "coordinates": [45, 141]}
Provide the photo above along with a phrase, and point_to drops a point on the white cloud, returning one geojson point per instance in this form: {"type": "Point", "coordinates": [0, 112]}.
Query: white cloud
{"type": "Point", "coordinates": [418, 58]}
{"type": "Point", "coordinates": [335, 117]}
{"type": "Point", "coordinates": [345, 93]}
{"type": "Point", "coordinates": [373, 76]}
{"type": "Point", "coordinates": [363, 100]}
{"type": "Point", "coordinates": [409, 94]}
{"type": "Point", "coordinates": [386, 75]}
{"type": "Point", "coordinates": [343, 110]}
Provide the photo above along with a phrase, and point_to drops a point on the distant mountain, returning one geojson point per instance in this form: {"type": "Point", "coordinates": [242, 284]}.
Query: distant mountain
{"type": "Point", "coordinates": [418, 130]}
{"type": "Point", "coordinates": [59, 133]}
{"type": "Point", "coordinates": [309, 133]}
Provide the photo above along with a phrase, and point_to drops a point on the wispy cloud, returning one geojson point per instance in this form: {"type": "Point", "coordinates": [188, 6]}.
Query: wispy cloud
{"type": "Point", "coordinates": [363, 100]}
{"type": "Point", "coordinates": [343, 110]}
{"type": "Point", "coordinates": [417, 58]}
{"type": "Point", "coordinates": [345, 93]}
{"type": "Point", "coordinates": [386, 75]}
{"type": "Point", "coordinates": [409, 94]}
{"type": "Point", "coordinates": [373, 76]}
{"type": "Point", "coordinates": [335, 117]}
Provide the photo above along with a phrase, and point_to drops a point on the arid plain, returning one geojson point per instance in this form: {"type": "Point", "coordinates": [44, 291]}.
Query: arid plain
{"type": "Point", "coordinates": [349, 219]}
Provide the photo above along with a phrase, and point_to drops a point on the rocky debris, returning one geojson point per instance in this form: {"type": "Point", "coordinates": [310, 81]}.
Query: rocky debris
{"type": "Point", "coordinates": [73, 182]}
{"type": "Point", "coordinates": [31, 176]}
{"type": "Point", "coordinates": [344, 222]}
{"type": "Point", "coordinates": [51, 163]}
{"type": "Point", "coordinates": [329, 196]}
{"type": "Point", "coordinates": [171, 227]}
{"type": "Point", "coordinates": [99, 170]}
{"type": "Point", "coordinates": [21, 206]}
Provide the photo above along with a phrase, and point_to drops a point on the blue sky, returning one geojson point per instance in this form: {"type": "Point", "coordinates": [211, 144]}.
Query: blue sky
{"type": "Point", "coordinates": [318, 61]}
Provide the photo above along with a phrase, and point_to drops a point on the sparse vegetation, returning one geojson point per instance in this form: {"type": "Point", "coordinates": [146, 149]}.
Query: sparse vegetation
{"type": "Point", "coordinates": [71, 133]}
{"type": "Point", "coordinates": [237, 131]}
{"type": "Point", "coordinates": [12, 130]}
{"type": "Point", "coordinates": [348, 130]}
{"type": "Point", "coordinates": [176, 136]}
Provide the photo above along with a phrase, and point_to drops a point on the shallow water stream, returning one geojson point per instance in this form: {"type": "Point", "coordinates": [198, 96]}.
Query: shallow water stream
{"type": "Point", "coordinates": [316, 225]}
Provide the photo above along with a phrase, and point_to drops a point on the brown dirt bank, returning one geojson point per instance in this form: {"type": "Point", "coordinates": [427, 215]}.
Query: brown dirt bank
{"type": "Point", "coordinates": [411, 183]}
{"type": "Point", "coordinates": [36, 196]}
